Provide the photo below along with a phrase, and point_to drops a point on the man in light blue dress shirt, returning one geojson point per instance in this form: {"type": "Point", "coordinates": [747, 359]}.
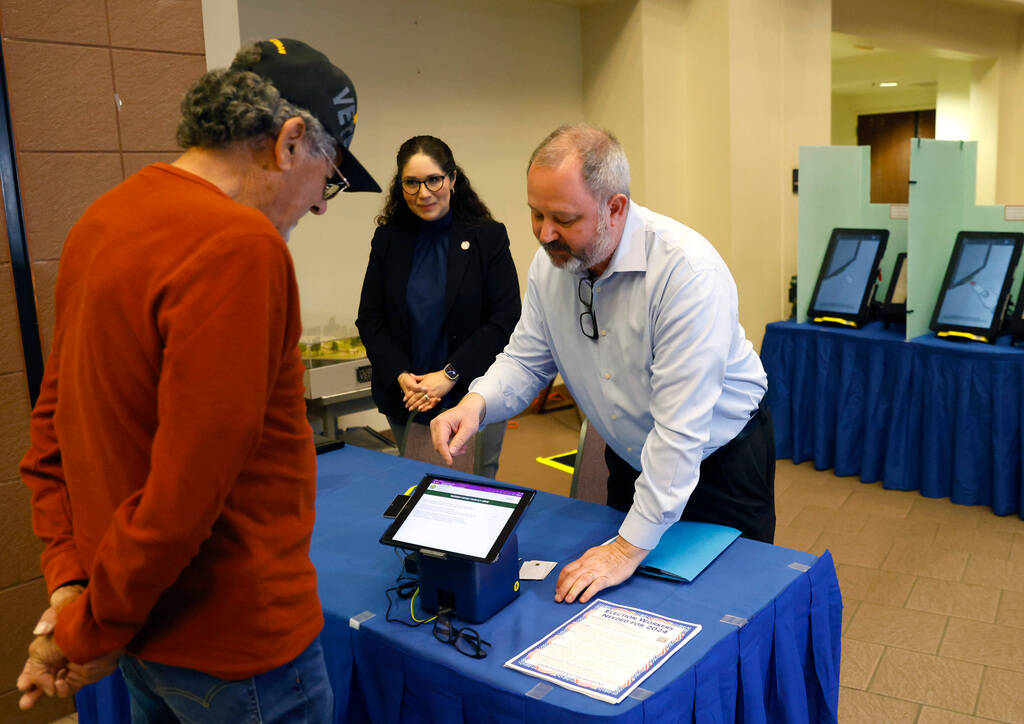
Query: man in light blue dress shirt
{"type": "Point", "coordinates": [639, 314]}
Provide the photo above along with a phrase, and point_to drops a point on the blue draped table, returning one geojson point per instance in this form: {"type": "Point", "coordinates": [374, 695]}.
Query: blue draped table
{"type": "Point", "coordinates": [932, 415]}
{"type": "Point", "coordinates": [782, 665]}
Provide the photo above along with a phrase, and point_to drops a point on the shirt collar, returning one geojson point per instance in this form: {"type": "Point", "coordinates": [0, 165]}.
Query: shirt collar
{"type": "Point", "coordinates": [631, 253]}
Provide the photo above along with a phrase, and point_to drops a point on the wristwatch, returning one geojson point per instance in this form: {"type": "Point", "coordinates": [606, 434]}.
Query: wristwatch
{"type": "Point", "coordinates": [450, 372]}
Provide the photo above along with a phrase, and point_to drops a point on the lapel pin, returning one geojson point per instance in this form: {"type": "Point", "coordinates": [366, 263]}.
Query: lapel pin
{"type": "Point", "coordinates": [465, 246]}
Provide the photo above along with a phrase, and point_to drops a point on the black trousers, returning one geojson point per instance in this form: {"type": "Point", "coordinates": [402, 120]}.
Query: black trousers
{"type": "Point", "coordinates": [736, 485]}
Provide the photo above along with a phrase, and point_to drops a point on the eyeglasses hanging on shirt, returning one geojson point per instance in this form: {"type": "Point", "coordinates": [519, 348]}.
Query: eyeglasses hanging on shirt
{"type": "Point", "coordinates": [588, 320]}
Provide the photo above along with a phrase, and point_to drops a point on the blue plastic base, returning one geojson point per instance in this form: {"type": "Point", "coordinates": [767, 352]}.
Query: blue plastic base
{"type": "Point", "coordinates": [476, 591]}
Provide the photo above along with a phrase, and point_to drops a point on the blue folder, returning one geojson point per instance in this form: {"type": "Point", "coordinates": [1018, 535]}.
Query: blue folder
{"type": "Point", "coordinates": [686, 549]}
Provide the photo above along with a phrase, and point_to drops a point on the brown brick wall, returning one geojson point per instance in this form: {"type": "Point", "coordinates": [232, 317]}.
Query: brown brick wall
{"type": "Point", "coordinates": [94, 92]}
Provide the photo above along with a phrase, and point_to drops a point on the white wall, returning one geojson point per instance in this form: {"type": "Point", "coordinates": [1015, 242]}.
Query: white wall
{"type": "Point", "coordinates": [953, 103]}
{"type": "Point", "coordinates": [220, 32]}
{"type": "Point", "coordinates": [921, 76]}
{"type": "Point", "coordinates": [712, 100]}
{"type": "Point", "coordinates": [844, 121]}
{"type": "Point", "coordinates": [490, 78]}
{"type": "Point", "coordinates": [847, 107]}
{"type": "Point", "coordinates": [964, 91]}
{"type": "Point", "coordinates": [984, 122]}
{"type": "Point", "coordinates": [987, 34]}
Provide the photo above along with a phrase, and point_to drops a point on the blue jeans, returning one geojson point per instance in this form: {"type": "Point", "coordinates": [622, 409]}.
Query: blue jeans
{"type": "Point", "coordinates": [298, 691]}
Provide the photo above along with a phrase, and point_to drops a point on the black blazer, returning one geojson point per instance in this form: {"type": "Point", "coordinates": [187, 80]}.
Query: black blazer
{"type": "Point", "coordinates": [482, 305]}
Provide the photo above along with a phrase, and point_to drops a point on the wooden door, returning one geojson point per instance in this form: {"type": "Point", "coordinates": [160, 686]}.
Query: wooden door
{"type": "Point", "coordinates": [889, 136]}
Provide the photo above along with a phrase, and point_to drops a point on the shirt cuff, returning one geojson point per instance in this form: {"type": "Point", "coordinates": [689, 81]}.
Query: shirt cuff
{"type": "Point", "coordinates": [63, 568]}
{"type": "Point", "coordinates": [80, 637]}
{"type": "Point", "coordinates": [491, 392]}
{"type": "Point", "coordinates": [640, 532]}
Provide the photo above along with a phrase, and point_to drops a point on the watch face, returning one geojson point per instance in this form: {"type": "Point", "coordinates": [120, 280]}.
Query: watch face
{"type": "Point", "coordinates": [450, 372]}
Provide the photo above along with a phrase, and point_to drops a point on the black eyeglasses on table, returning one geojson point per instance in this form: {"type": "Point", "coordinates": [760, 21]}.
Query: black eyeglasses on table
{"type": "Point", "coordinates": [588, 320]}
{"type": "Point", "coordinates": [465, 640]}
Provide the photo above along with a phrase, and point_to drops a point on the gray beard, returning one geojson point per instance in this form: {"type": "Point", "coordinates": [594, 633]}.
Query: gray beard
{"type": "Point", "coordinates": [599, 249]}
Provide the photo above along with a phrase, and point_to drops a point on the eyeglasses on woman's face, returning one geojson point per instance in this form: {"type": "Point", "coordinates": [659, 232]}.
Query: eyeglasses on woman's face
{"type": "Point", "coordinates": [434, 182]}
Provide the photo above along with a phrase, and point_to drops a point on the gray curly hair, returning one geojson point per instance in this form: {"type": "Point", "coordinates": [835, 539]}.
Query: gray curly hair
{"type": "Point", "coordinates": [605, 167]}
{"type": "Point", "coordinates": [233, 104]}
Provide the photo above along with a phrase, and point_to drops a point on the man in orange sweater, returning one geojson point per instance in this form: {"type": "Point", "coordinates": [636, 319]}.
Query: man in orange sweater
{"type": "Point", "coordinates": [172, 468]}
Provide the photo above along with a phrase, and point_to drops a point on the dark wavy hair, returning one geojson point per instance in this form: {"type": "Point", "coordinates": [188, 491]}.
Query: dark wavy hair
{"type": "Point", "coordinates": [465, 204]}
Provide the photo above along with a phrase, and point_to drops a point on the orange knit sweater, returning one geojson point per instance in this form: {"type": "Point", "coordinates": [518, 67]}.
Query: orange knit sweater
{"type": "Point", "coordinates": [171, 463]}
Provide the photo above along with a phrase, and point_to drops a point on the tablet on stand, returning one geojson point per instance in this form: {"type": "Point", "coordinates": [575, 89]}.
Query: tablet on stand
{"type": "Point", "coordinates": [973, 298]}
{"type": "Point", "coordinates": [463, 534]}
{"type": "Point", "coordinates": [849, 273]}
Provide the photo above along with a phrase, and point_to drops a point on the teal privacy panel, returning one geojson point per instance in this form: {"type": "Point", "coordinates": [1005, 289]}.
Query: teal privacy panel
{"type": "Point", "coordinates": [835, 192]}
{"type": "Point", "coordinates": [942, 203]}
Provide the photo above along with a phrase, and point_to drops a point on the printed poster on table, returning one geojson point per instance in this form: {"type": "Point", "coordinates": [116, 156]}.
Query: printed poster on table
{"type": "Point", "coordinates": [605, 651]}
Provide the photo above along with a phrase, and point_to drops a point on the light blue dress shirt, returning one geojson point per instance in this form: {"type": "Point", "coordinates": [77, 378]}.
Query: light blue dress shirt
{"type": "Point", "coordinates": [671, 377]}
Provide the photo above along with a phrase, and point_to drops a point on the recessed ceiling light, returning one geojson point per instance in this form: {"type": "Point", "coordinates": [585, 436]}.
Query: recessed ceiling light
{"type": "Point", "coordinates": [888, 84]}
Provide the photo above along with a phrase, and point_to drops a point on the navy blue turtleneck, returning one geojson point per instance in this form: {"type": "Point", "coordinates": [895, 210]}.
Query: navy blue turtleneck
{"type": "Point", "coordinates": [425, 294]}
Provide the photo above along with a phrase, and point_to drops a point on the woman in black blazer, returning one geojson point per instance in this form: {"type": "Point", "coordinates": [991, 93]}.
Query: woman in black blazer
{"type": "Point", "coordinates": [441, 294]}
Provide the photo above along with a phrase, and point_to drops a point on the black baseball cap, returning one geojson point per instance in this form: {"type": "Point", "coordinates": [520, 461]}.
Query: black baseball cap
{"type": "Point", "coordinates": [305, 77]}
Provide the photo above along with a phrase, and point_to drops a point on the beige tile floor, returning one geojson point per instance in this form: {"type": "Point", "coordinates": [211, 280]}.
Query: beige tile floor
{"type": "Point", "coordinates": [933, 619]}
{"type": "Point", "coordinates": [933, 624]}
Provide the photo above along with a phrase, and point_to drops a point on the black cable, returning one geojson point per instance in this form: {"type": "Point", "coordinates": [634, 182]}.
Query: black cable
{"type": "Point", "coordinates": [404, 591]}
{"type": "Point", "coordinates": [407, 588]}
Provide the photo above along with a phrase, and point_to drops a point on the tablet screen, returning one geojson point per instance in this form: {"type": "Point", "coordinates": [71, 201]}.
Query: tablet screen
{"type": "Point", "coordinates": [972, 295]}
{"type": "Point", "coordinates": [457, 516]}
{"type": "Point", "coordinates": [847, 275]}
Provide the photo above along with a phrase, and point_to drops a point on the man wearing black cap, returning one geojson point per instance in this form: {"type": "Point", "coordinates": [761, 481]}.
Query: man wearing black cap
{"type": "Point", "coordinates": [172, 468]}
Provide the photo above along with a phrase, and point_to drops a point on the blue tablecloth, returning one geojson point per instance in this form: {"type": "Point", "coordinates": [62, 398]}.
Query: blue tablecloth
{"type": "Point", "coordinates": [783, 665]}
{"type": "Point", "coordinates": [932, 415]}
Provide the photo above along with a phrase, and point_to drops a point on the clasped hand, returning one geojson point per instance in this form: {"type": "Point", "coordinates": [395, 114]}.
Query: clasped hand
{"type": "Point", "coordinates": [423, 392]}
{"type": "Point", "coordinates": [47, 670]}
